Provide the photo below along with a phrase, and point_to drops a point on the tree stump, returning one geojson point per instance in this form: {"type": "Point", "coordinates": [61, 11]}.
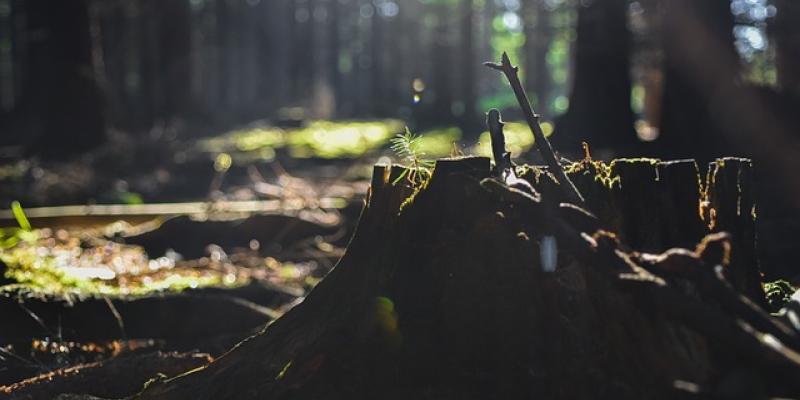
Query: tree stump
{"type": "Point", "coordinates": [444, 293]}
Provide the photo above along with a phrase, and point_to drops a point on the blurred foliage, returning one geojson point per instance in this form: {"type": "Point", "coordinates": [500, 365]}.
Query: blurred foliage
{"type": "Point", "coordinates": [62, 264]}
{"type": "Point", "coordinates": [323, 139]}
{"type": "Point", "coordinates": [65, 266]}
{"type": "Point", "coordinates": [519, 139]}
{"type": "Point", "coordinates": [438, 143]}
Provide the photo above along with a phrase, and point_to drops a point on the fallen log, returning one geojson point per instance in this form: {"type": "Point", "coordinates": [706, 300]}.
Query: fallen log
{"type": "Point", "coordinates": [183, 320]}
{"type": "Point", "coordinates": [117, 377]}
{"type": "Point", "coordinates": [444, 293]}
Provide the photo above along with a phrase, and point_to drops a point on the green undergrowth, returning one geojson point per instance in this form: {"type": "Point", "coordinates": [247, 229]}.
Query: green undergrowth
{"type": "Point", "coordinates": [40, 262]}
{"type": "Point", "coordinates": [353, 139]}
{"type": "Point", "coordinates": [35, 268]}
{"type": "Point", "coordinates": [323, 139]}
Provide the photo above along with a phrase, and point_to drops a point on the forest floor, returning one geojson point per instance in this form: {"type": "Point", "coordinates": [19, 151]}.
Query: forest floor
{"type": "Point", "coordinates": [219, 221]}
{"type": "Point", "coordinates": [181, 245]}
{"type": "Point", "coordinates": [203, 243]}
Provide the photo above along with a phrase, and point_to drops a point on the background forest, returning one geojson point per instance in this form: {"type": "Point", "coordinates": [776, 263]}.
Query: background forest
{"type": "Point", "coordinates": [665, 78]}
{"type": "Point", "coordinates": [612, 72]}
{"type": "Point", "coordinates": [177, 174]}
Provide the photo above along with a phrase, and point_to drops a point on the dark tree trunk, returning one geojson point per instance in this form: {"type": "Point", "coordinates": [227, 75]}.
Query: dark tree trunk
{"type": "Point", "coordinates": [536, 18]}
{"type": "Point", "coordinates": [378, 79]}
{"type": "Point", "coordinates": [222, 34]}
{"type": "Point", "coordinates": [700, 64]}
{"type": "Point", "coordinates": [442, 64]}
{"type": "Point", "coordinates": [787, 36]}
{"type": "Point", "coordinates": [62, 90]}
{"type": "Point", "coordinates": [174, 47]}
{"type": "Point", "coordinates": [600, 102]}
{"type": "Point", "coordinates": [302, 51]}
{"type": "Point", "coordinates": [471, 122]}
{"type": "Point", "coordinates": [334, 50]}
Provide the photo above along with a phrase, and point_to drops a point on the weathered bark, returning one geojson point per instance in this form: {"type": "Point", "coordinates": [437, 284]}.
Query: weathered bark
{"type": "Point", "coordinates": [441, 53]}
{"type": "Point", "coordinates": [731, 179]}
{"type": "Point", "coordinates": [174, 56]}
{"type": "Point", "coordinates": [442, 294]}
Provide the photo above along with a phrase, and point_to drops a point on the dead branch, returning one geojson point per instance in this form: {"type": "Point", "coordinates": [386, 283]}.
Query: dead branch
{"type": "Point", "coordinates": [569, 190]}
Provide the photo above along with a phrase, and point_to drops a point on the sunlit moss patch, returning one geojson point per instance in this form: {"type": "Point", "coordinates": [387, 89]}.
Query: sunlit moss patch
{"type": "Point", "coordinates": [324, 139]}
{"type": "Point", "coordinates": [62, 263]}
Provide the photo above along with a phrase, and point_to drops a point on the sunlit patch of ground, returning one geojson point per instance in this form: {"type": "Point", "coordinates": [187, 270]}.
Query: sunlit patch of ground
{"type": "Point", "coordinates": [68, 263]}
{"type": "Point", "coordinates": [323, 139]}
{"type": "Point", "coordinates": [352, 139]}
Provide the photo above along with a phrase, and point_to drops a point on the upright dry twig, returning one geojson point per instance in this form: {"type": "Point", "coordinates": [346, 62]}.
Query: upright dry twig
{"type": "Point", "coordinates": [542, 144]}
{"type": "Point", "coordinates": [503, 166]}
{"type": "Point", "coordinates": [502, 159]}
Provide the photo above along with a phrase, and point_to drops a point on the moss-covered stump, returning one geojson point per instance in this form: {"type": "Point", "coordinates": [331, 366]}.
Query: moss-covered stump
{"type": "Point", "coordinates": [444, 293]}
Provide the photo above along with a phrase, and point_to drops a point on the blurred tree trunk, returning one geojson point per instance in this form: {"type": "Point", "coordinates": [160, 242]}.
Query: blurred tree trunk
{"type": "Point", "coordinates": [174, 59]}
{"type": "Point", "coordinates": [442, 64]}
{"type": "Point", "coordinates": [700, 63]}
{"type": "Point", "coordinates": [334, 48]}
{"type": "Point", "coordinates": [114, 41]}
{"type": "Point", "coordinates": [224, 28]}
{"type": "Point", "coordinates": [600, 102]}
{"type": "Point", "coordinates": [302, 54]}
{"type": "Point", "coordinates": [471, 124]}
{"type": "Point", "coordinates": [536, 19]}
{"type": "Point", "coordinates": [62, 90]}
{"type": "Point", "coordinates": [787, 35]}
{"type": "Point", "coordinates": [377, 80]}
{"type": "Point", "coordinates": [149, 77]}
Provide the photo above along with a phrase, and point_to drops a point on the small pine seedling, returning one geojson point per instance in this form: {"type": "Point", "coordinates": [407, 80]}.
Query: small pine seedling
{"type": "Point", "coordinates": [406, 146]}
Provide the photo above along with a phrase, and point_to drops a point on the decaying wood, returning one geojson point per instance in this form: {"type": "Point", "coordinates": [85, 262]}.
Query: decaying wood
{"type": "Point", "coordinates": [731, 179]}
{"type": "Point", "coordinates": [442, 294]}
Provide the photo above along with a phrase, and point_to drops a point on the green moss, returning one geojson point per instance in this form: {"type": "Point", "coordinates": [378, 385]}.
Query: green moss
{"type": "Point", "coordinates": [328, 139]}
{"type": "Point", "coordinates": [41, 264]}
{"type": "Point", "coordinates": [779, 293]}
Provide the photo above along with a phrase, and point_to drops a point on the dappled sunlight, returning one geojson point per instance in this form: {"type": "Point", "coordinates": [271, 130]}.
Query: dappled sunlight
{"type": "Point", "coordinates": [323, 139]}
{"type": "Point", "coordinates": [519, 139]}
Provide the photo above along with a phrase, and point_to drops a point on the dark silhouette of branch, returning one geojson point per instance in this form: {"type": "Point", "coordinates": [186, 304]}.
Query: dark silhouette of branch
{"type": "Point", "coordinates": [571, 193]}
{"type": "Point", "coordinates": [502, 159]}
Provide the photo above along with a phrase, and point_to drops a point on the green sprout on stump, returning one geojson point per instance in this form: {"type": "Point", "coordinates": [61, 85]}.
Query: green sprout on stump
{"type": "Point", "coordinates": [406, 146]}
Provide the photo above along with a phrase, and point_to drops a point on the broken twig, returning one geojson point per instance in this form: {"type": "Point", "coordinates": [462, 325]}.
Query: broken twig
{"type": "Point", "coordinates": [502, 159]}
{"type": "Point", "coordinates": [503, 166]}
{"type": "Point", "coordinates": [542, 144]}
